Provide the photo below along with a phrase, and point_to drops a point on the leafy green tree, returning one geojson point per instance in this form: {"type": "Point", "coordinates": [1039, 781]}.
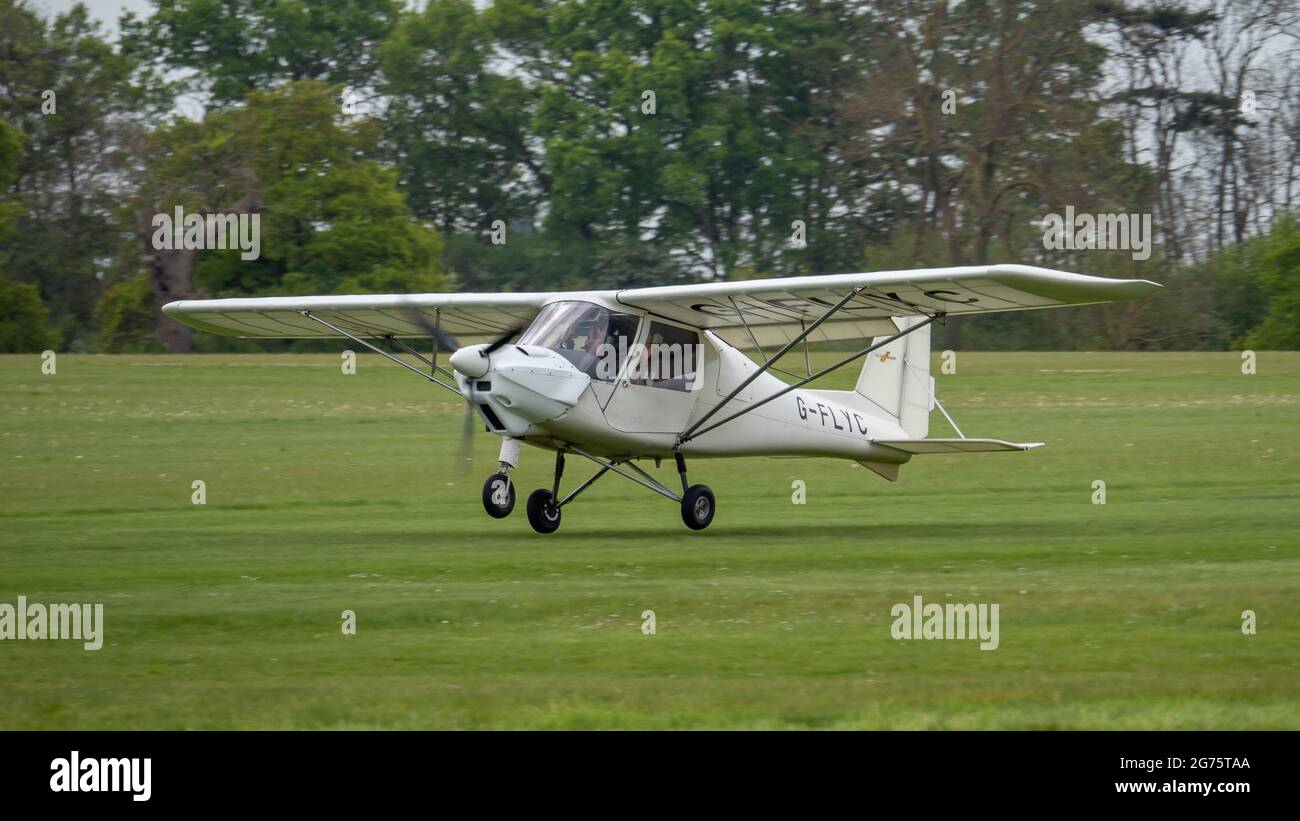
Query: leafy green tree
{"type": "Point", "coordinates": [631, 142]}
{"type": "Point", "coordinates": [1273, 261]}
{"type": "Point", "coordinates": [22, 314]}
{"type": "Point", "coordinates": [332, 219]}
{"type": "Point", "coordinates": [69, 93]}
{"type": "Point", "coordinates": [703, 130]}
{"type": "Point", "coordinates": [22, 318]}
{"type": "Point", "coordinates": [458, 129]}
{"type": "Point", "coordinates": [987, 115]}
{"type": "Point", "coordinates": [126, 317]}
{"type": "Point", "coordinates": [11, 146]}
{"type": "Point", "coordinates": [232, 47]}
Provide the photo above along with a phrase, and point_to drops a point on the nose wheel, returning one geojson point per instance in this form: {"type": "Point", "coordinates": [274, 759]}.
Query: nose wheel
{"type": "Point", "coordinates": [499, 495]}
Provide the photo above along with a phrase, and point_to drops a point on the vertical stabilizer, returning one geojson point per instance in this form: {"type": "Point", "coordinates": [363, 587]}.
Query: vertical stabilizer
{"type": "Point", "coordinates": [897, 378]}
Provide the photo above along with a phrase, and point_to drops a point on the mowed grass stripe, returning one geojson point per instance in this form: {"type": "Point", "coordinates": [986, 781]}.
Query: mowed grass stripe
{"type": "Point", "coordinates": [329, 492]}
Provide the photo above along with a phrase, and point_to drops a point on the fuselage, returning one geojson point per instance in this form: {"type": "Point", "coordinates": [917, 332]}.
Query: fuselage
{"type": "Point", "coordinates": [656, 379]}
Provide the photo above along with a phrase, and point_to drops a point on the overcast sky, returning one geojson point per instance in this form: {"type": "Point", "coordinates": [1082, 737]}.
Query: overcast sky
{"type": "Point", "coordinates": [105, 11]}
{"type": "Point", "coordinates": [108, 11]}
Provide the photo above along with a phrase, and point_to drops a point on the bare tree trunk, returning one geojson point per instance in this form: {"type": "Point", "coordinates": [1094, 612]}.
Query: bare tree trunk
{"type": "Point", "coordinates": [169, 274]}
{"type": "Point", "coordinates": [169, 279]}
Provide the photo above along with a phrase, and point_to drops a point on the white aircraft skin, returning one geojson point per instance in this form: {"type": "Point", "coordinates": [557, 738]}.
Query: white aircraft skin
{"type": "Point", "coordinates": [527, 381]}
{"type": "Point", "coordinates": [528, 389]}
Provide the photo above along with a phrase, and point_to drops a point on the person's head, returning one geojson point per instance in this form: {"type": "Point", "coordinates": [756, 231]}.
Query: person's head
{"type": "Point", "coordinates": [596, 338]}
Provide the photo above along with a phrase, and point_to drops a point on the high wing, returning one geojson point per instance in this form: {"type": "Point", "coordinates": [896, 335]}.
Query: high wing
{"type": "Point", "coordinates": [762, 311]}
{"type": "Point", "coordinates": [777, 310]}
{"type": "Point", "coordinates": [471, 318]}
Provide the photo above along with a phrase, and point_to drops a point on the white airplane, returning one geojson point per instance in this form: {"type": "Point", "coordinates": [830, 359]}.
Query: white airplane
{"type": "Point", "coordinates": [617, 377]}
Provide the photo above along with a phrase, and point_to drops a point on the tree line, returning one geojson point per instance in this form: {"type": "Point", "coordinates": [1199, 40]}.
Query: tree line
{"type": "Point", "coordinates": [564, 144]}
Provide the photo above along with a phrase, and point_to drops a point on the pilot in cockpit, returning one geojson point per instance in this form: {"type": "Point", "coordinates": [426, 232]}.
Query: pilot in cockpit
{"type": "Point", "coordinates": [595, 337]}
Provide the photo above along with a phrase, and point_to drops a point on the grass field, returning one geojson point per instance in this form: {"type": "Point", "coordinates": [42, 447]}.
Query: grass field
{"type": "Point", "coordinates": [328, 493]}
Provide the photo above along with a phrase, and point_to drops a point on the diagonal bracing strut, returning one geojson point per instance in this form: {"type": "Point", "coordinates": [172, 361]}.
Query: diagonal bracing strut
{"type": "Point", "coordinates": [696, 429]}
{"type": "Point", "coordinates": [580, 488]}
{"type": "Point", "coordinates": [767, 365]}
{"type": "Point", "coordinates": [381, 352]}
{"type": "Point", "coordinates": [649, 481]}
{"type": "Point", "coordinates": [434, 367]}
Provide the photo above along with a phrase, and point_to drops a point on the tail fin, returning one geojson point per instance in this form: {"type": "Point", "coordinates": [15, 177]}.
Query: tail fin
{"type": "Point", "coordinates": [897, 378]}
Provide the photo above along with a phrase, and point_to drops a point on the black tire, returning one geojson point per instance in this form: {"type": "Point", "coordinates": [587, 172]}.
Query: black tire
{"type": "Point", "coordinates": [492, 501]}
{"type": "Point", "coordinates": [543, 515]}
{"type": "Point", "coordinates": [697, 507]}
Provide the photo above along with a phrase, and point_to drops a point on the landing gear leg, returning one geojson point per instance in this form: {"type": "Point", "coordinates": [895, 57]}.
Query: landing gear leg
{"type": "Point", "coordinates": [543, 506]}
{"type": "Point", "coordinates": [559, 472]}
{"type": "Point", "coordinates": [698, 503]}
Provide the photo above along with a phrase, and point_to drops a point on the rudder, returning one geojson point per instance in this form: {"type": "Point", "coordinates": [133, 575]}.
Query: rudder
{"type": "Point", "coordinates": [897, 378]}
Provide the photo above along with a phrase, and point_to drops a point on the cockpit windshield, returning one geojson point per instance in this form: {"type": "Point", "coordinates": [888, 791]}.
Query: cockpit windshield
{"type": "Point", "coordinates": [594, 339]}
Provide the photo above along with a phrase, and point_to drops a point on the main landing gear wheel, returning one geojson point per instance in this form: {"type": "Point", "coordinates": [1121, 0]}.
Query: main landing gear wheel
{"type": "Point", "coordinates": [697, 507]}
{"type": "Point", "coordinates": [498, 495]}
{"type": "Point", "coordinates": [543, 513]}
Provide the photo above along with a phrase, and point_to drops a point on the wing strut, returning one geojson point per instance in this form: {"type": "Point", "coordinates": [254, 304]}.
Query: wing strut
{"type": "Point", "coordinates": [696, 429]}
{"type": "Point", "coordinates": [767, 365]}
{"type": "Point", "coordinates": [944, 411]}
{"type": "Point", "coordinates": [434, 367]}
{"type": "Point", "coordinates": [754, 339]}
{"type": "Point", "coordinates": [435, 380]}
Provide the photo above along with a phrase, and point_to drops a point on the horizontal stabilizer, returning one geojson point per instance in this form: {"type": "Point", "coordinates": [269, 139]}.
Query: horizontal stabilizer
{"type": "Point", "coordinates": [954, 445]}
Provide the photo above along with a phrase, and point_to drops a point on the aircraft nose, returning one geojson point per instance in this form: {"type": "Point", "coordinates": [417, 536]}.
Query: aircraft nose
{"type": "Point", "coordinates": [470, 361]}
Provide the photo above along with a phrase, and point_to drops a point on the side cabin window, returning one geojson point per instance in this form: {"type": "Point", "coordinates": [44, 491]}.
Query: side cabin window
{"type": "Point", "coordinates": [669, 358]}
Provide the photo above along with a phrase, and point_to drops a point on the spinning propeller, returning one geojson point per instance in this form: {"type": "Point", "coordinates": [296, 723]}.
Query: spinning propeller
{"type": "Point", "coordinates": [444, 341]}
